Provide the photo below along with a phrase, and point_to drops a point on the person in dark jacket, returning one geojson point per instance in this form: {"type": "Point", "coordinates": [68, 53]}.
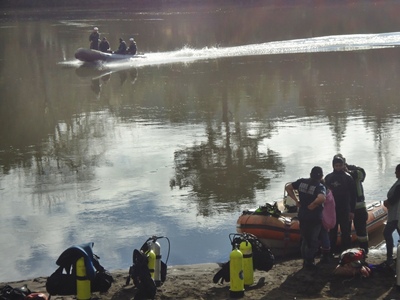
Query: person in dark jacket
{"type": "Point", "coordinates": [311, 196]}
{"type": "Point", "coordinates": [393, 205]}
{"type": "Point", "coordinates": [122, 47]}
{"type": "Point", "coordinates": [132, 47]}
{"type": "Point", "coordinates": [360, 213]}
{"type": "Point", "coordinates": [94, 39]}
{"type": "Point", "coordinates": [344, 192]}
{"type": "Point", "coordinates": [104, 45]}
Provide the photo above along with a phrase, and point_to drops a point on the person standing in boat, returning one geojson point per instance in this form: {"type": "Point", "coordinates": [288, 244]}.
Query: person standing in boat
{"type": "Point", "coordinates": [344, 192]}
{"type": "Point", "coordinates": [360, 212]}
{"type": "Point", "coordinates": [311, 196]}
{"type": "Point", "coordinates": [104, 45]}
{"type": "Point", "coordinates": [132, 47]}
{"type": "Point", "coordinates": [94, 38]}
{"type": "Point", "coordinates": [122, 47]}
{"type": "Point", "coordinates": [393, 205]}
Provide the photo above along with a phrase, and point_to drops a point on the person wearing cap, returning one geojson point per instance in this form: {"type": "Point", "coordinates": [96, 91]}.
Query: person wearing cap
{"type": "Point", "coordinates": [344, 192]}
{"type": "Point", "coordinates": [122, 47]}
{"type": "Point", "coordinates": [360, 212]}
{"type": "Point", "coordinates": [94, 39]}
{"type": "Point", "coordinates": [393, 205]}
{"type": "Point", "coordinates": [132, 47]}
{"type": "Point", "coordinates": [104, 45]}
{"type": "Point", "coordinates": [311, 196]}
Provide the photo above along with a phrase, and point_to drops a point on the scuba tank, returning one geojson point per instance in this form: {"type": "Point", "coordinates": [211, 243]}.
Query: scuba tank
{"type": "Point", "coordinates": [151, 256]}
{"type": "Point", "coordinates": [155, 246]}
{"type": "Point", "coordinates": [248, 270]}
{"type": "Point", "coordinates": [83, 289]}
{"type": "Point", "coordinates": [236, 273]}
{"type": "Point", "coordinates": [158, 268]}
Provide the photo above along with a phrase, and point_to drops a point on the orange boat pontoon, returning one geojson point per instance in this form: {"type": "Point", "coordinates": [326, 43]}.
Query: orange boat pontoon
{"type": "Point", "coordinates": [280, 232]}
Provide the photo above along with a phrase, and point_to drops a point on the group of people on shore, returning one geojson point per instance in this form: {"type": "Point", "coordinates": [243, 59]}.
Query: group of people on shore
{"type": "Point", "coordinates": [345, 184]}
{"type": "Point", "coordinates": [103, 44]}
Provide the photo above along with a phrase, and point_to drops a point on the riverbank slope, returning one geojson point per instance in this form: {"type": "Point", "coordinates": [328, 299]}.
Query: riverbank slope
{"type": "Point", "coordinates": [286, 280]}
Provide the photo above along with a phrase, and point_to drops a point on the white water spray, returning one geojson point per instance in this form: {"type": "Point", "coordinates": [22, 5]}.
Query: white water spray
{"type": "Point", "coordinates": [351, 42]}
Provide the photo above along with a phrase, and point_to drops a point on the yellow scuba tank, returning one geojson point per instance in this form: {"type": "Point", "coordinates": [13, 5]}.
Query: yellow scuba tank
{"type": "Point", "coordinates": [248, 270]}
{"type": "Point", "coordinates": [155, 246]}
{"type": "Point", "coordinates": [83, 289]}
{"type": "Point", "coordinates": [151, 257]}
{"type": "Point", "coordinates": [236, 273]}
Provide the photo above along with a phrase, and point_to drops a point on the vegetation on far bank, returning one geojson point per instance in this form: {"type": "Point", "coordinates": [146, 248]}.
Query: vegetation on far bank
{"type": "Point", "coordinates": [108, 3]}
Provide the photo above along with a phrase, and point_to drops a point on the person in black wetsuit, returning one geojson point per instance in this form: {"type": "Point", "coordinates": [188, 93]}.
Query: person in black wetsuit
{"type": "Point", "coordinates": [132, 47]}
{"type": "Point", "coordinates": [94, 39]}
{"type": "Point", "coordinates": [344, 192]}
{"type": "Point", "coordinates": [360, 212]}
{"type": "Point", "coordinates": [392, 203]}
{"type": "Point", "coordinates": [122, 47]}
{"type": "Point", "coordinates": [311, 197]}
{"type": "Point", "coordinates": [104, 45]}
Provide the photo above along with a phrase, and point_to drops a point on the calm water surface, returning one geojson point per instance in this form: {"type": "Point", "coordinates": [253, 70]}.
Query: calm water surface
{"type": "Point", "coordinates": [229, 104]}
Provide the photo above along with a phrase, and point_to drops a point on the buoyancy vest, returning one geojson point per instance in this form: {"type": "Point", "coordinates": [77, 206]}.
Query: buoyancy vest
{"type": "Point", "coordinates": [63, 280]}
{"type": "Point", "coordinates": [358, 175]}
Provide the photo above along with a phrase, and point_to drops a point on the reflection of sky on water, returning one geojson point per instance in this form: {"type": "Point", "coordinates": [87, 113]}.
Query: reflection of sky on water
{"type": "Point", "coordinates": [314, 144]}
{"type": "Point", "coordinates": [126, 203]}
{"type": "Point", "coordinates": [128, 200]}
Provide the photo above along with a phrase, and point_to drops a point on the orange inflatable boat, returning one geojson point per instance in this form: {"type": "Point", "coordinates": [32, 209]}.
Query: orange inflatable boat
{"type": "Point", "coordinates": [279, 229]}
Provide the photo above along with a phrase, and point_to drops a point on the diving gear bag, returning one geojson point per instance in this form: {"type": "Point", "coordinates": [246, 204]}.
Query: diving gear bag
{"type": "Point", "coordinates": [140, 274]}
{"type": "Point", "coordinates": [7, 292]}
{"type": "Point", "coordinates": [352, 262]}
{"type": "Point", "coordinates": [63, 280]}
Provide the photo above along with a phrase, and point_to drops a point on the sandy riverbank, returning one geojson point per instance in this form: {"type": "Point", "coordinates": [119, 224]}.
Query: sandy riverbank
{"type": "Point", "coordinates": [286, 280]}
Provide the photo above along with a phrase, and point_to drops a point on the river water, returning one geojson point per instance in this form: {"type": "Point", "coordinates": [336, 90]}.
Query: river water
{"type": "Point", "coordinates": [228, 104]}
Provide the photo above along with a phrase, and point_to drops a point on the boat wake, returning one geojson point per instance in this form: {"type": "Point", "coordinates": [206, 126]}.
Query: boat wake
{"type": "Point", "coordinates": [334, 43]}
{"type": "Point", "coordinates": [310, 45]}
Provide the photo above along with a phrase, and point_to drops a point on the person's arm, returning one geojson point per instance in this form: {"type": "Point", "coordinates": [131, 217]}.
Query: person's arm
{"type": "Point", "coordinates": [290, 191]}
{"type": "Point", "coordinates": [317, 202]}
{"type": "Point", "coordinates": [352, 197]}
{"type": "Point", "coordinates": [353, 193]}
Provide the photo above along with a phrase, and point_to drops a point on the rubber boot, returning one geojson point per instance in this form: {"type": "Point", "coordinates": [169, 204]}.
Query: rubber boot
{"type": "Point", "coordinates": [325, 259]}
{"type": "Point", "coordinates": [364, 245]}
{"type": "Point", "coordinates": [309, 264]}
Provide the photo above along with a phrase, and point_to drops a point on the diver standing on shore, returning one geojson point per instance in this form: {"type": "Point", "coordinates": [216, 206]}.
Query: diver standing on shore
{"type": "Point", "coordinates": [344, 192]}
{"type": "Point", "coordinates": [311, 197]}
{"type": "Point", "coordinates": [360, 212]}
{"type": "Point", "coordinates": [393, 204]}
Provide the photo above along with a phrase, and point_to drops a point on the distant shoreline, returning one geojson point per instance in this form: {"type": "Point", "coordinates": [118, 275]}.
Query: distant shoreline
{"type": "Point", "coordinates": [112, 3]}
